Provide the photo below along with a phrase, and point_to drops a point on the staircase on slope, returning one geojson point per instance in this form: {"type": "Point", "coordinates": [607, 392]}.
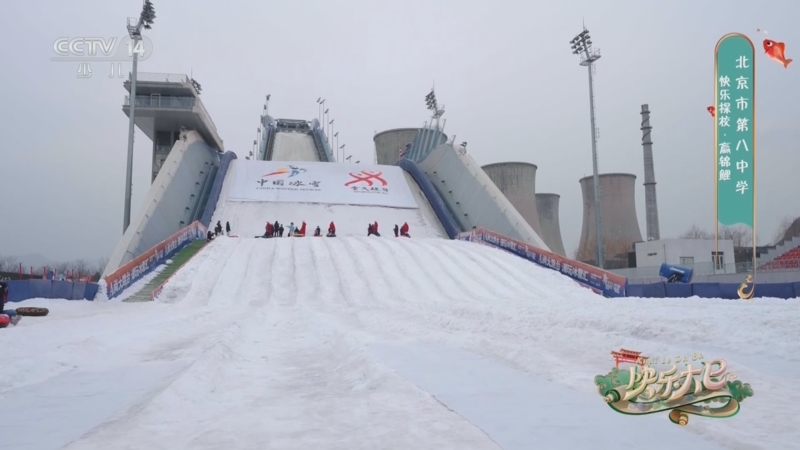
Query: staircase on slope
{"type": "Point", "coordinates": [180, 258]}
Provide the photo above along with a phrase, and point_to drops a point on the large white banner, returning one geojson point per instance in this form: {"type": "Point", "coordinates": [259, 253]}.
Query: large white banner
{"type": "Point", "coordinates": [318, 182]}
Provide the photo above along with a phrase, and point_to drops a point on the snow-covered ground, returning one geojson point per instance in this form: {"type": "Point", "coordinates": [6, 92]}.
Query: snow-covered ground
{"type": "Point", "coordinates": [367, 343]}
{"type": "Point", "coordinates": [248, 219]}
{"type": "Point", "coordinates": [294, 146]}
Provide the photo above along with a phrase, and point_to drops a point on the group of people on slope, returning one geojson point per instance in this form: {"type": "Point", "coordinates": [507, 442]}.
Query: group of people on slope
{"type": "Point", "coordinates": [218, 231]}
{"type": "Point", "coordinates": [372, 230]}
{"type": "Point", "coordinates": [276, 230]}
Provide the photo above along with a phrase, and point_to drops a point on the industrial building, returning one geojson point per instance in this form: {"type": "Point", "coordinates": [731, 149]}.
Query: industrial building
{"type": "Point", "coordinates": [166, 103]}
{"type": "Point", "coordinates": [547, 208]}
{"type": "Point", "coordinates": [619, 224]}
{"type": "Point", "coordinates": [389, 143]}
{"type": "Point", "coordinates": [694, 253]}
{"type": "Point", "coordinates": [517, 181]}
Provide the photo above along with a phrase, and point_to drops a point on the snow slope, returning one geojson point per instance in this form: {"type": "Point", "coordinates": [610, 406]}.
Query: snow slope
{"type": "Point", "coordinates": [248, 219]}
{"type": "Point", "coordinates": [294, 146]}
{"type": "Point", "coordinates": [366, 343]}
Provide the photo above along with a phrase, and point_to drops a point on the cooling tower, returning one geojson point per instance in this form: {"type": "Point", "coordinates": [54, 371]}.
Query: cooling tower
{"type": "Point", "coordinates": [517, 181]}
{"type": "Point", "coordinates": [388, 143]}
{"type": "Point", "coordinates": [618, 221]}
{"type": "Point", "coordinates": [547, 208]}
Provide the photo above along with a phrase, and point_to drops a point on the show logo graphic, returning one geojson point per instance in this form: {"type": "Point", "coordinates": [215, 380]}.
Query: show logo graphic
{"type": "Point", "coordinates": [373, 183]}
{"type": "Point", "coordinates": [287, 172]}
{"type": "Point", "coordinates": [653, 385]}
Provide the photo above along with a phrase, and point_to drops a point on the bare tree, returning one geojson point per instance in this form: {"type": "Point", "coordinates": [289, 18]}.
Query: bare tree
{"type": "Point", "coordinates": [99, 268]}
{"type": "Point", "coordinates": [61, 268]}
{"type": "Point", "coordinates": [696, 232]}
{"type": "Point", "coordinates": [783, 227]}
{"type": "Point", "coordinates": [741, 236]}
{"type": "Point", "coordinates": [8, 263]}
{"type": "Point", "coordinates": [80, 267]}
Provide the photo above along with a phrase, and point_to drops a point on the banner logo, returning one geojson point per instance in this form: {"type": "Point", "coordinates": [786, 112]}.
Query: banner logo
{"type": "Point", "coordinates": [703, 388]}
{"type": "Point", "coordinates": [366, 177]}
{"type": "Point", "coordinates": [291, 171]}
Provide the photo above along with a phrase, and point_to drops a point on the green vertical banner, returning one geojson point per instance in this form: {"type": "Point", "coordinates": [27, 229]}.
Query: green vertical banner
{"type": "Point", "coordinates": [735, 93]}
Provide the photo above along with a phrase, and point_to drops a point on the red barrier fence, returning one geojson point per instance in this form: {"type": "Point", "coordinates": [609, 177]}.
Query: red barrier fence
{"type": "Point", "coordinates": [143, 264]}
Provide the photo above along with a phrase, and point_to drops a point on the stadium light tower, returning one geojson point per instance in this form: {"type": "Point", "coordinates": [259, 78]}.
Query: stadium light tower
{"type": "Point", "coordinates": [135, 26]}
{"type": "Point", "coordinates": [582, 46]}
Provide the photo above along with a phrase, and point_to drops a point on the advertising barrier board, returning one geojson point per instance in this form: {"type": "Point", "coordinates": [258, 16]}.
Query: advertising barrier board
{"type": "Point", "coordinates": [600, 281]}
{"type": "Point", "coordinates": [143, 264]}
{"type": "Point", "coordinates": [317, 182]}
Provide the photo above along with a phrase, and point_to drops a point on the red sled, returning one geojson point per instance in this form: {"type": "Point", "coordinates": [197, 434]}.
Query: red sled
{"type": "Point", "coordinates": [4, 320]}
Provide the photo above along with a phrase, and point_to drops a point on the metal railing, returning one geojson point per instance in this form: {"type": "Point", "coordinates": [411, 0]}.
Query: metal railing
{"type": "Point", "coordinates": [207, 115]}
{"type": "Point", "coordinates": [162, 102]}
{"type": "Point", "coordinates": [154, 77]}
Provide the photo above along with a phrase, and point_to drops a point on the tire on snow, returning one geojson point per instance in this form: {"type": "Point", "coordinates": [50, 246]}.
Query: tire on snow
{"type": "Point", "coordinates": [32, 311]}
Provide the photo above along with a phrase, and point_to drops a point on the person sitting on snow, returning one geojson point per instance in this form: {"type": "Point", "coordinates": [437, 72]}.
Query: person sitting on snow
{"type": "Point", "coordinates": [404, 230]}
{"type": "Point", "coordinates": [317, 231]}
{"type": "Point", "coordinates": [301, 232]}
{"type": "Point", "coordinates": [369, 230]}
{"type": "Point", "coordinates": [209, 236]}
{"type": "Point", "coordinates": [331, 230]}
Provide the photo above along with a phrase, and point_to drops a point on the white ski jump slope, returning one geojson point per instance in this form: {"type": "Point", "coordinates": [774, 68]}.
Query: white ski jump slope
{"type": "Point", "coordinates": [378, 343]}
{"type": "Point", "coordinates": [249, 219]}
{"type": "Point", "coordinates": [294, 146]}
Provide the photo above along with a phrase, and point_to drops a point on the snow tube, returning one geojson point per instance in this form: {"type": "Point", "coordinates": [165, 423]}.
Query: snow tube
{"type": "Point", "coordinates": [4, 320]}
{"type": "Point", "coordinates": [31, 311]}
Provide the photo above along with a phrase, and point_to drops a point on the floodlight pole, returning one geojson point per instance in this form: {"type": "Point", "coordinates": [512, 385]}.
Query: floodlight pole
{"type": "Point", "coordinates": [582, 45]}
{"type": "Point", "coordinates": [135, 32]}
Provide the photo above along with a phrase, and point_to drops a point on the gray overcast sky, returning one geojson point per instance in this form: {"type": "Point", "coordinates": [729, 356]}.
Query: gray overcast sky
{"type": "Point", "coordinates": [504, 70]}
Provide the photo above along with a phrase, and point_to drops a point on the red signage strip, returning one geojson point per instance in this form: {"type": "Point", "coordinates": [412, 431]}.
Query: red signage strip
{"type": "Point", "coordinates": [600, 281]}
{"type": "Point", "coordinates": [143, 264]}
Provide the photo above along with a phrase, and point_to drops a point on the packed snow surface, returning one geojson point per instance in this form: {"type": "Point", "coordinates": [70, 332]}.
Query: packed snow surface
{"type": "Point", "coordinates": [294, 146]}
{"type": "Point", "coordinates": [375, 343]}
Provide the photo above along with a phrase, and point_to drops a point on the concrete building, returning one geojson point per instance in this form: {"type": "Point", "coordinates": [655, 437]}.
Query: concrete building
{"type": "Point", "coordinates": [547, 207]}
{"type": "Point", "coordinates": [618, 221]}
{"type": "Point", "coordinates": [694, 253]}
{"type": "Point", "coordinates": [388, 143]}
{"type": "Point", "coordinates": [517, 181]}
{"type": "Point", "coordinates": [187, 151]}
{"type": "Point", "coordinates": [165, 103]}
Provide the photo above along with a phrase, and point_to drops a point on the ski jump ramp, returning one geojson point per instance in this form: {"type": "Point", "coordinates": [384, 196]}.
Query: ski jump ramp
{"type": "Point", "coordinates": [351, 195]}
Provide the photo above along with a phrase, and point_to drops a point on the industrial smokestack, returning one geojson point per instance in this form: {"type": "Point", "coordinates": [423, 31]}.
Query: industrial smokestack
{"type": "Point", "coordinates": [547, 207]}
{"type": "Point", "coordinates": [650, 201]}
